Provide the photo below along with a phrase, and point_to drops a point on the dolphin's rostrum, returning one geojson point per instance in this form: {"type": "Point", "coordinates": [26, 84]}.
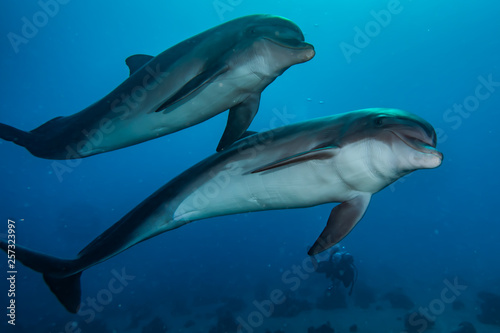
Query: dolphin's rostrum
{"type": "Point", "coordinates": [226, 67]}
{"type": "Point", "coordinates": [343, 158]}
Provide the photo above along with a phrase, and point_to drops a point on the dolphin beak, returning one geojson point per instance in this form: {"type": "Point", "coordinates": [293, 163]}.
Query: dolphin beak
{"type": "Point", "coordinates": [304, 51]}
{"type": "Point", "coordinates": [308, 53]}
{"type": "Point", "coordinates": [423, 143]}
{"type": "Point", "coordinates": [294, 44]}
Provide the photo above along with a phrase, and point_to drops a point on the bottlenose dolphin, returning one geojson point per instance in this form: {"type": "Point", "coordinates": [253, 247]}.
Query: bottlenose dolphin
{"type": "Point", "coordinates": [226, 67]}
{"type": "Point", "coordinates": [343, 158]}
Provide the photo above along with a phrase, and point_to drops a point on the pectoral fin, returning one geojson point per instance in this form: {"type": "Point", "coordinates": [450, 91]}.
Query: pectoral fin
{"type": "Point", "coordinates": [240, 117]}
{"type": "Point", "coordinates": [136, 61]}
{"type": "Point", "coordinates": [193, 85]}
{"type": "Point", "coordinates": [342, 220]}
{"type": "Point", "coordinates": [315, 154]}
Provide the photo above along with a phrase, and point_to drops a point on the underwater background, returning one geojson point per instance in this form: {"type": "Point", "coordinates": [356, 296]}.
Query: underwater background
{"type": "Point", "coordinates": [430, 229]}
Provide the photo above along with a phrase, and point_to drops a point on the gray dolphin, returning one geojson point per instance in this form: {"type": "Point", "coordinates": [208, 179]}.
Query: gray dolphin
{"type": "Point", "coordinates": [343, 158]}
{"type": "Point", "coordinates": [226, 67]}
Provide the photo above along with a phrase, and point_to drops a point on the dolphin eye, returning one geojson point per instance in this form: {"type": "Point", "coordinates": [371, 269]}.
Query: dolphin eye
{"type": "Point", "coordinates": [379, 121]}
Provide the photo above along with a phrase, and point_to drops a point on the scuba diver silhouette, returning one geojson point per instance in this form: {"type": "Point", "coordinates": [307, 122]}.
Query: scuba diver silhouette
{"type": "Point", "coordinates": [339, 268]}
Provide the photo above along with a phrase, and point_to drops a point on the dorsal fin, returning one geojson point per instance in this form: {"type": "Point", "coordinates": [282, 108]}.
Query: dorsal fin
{"type": "Point", "coordinates": [136, 61]}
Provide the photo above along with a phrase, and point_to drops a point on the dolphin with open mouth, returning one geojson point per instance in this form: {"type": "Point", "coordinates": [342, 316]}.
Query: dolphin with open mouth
{"type": "Point", "coordinates": [226, 67]}
{"type": "Point", "coordinates": [343, 158]}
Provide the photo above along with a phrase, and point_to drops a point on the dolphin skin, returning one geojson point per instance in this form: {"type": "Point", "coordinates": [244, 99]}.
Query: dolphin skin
{"type": "Point", "coordinates": [342, 158]}
{"type": "Point", "coordinates": [226, 67]}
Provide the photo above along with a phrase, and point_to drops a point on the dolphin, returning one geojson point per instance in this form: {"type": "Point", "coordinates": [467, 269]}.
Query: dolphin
{"type": "Point", "coordinates": [226, 67]}
{"type": "Point", "coordinates": [344, 158]}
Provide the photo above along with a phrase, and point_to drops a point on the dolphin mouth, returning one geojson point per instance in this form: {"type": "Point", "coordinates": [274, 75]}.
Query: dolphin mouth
{"type": "Point", "coordinates": [293, 44]}
{"type": "Point", "coordinates": [424, 145]}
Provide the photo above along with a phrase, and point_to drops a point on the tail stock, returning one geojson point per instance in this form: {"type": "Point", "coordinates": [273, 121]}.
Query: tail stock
{"type": "Point", "coordinates": [60, 275]}
{"type": "Point", "coordinates": [15, 135]}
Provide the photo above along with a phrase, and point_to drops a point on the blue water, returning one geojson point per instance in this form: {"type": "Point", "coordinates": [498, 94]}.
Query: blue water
{"type": "Point", "coordinates": [433, 225]}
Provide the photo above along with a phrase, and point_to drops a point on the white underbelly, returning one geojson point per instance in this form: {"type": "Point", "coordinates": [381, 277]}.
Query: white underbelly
{"type": "Point", "coordinates": [135, 125]}
{"type": "Point", "coordinates": [302, 185]}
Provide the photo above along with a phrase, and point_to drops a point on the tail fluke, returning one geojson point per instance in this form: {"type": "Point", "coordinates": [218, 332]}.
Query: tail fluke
{"type": "Point", "coordinates": [15, 135]}
{"type": "Point", "coordinates": [67, 290]}
{"type": "Point", "coordinates": [60, 275]}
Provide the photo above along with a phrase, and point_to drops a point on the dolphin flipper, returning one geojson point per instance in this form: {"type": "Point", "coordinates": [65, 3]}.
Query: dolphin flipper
{"type": "Point", "coordinates": [57, 273]}
{"type": "Point", "coordinates": [240, 117]}
{"type": "Point", "coordinates": [342, 220]}
{"type": "Point", "coordinates": [315, 154]}
{"type": "Point", "coordinates": [193, 85]}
